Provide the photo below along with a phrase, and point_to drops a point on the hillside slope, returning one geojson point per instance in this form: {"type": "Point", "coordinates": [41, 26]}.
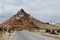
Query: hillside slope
{"type": "Point", "coordinates": [23, 20]}
{"type": "Point", "coordinates": [19, 21]}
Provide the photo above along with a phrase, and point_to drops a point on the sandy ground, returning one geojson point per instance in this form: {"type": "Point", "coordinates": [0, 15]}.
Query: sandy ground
{"type": "Point", "coordinates": [5, 36]}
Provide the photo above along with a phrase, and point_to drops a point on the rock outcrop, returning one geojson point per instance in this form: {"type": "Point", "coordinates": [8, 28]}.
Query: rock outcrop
{"type": "Point", "coordinates": [23, 20]}
{"type": "Point", "coordinates": [20, 21]}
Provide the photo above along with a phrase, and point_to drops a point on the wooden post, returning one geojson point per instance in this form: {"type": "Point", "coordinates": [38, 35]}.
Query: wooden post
{"type": "Point", "coordinates": [3, 33]}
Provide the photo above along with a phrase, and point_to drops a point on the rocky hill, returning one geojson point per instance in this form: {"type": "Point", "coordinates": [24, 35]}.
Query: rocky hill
{"type": "Point", "coordinates": [23, 20]}
{"type": "Point", "coordinates": [19, 21]}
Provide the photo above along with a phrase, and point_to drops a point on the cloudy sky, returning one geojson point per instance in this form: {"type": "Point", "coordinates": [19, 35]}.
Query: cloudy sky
{"type": "Point", "coordinates": [40, 9]}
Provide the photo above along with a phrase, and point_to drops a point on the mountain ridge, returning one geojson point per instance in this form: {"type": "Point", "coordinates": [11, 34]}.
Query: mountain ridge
{"type": "Point", "coordinates": [23, 20]}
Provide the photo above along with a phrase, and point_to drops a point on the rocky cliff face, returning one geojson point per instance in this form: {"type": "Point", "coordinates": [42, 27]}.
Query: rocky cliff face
{"type": "Point", "coordinates": [20, 21]}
